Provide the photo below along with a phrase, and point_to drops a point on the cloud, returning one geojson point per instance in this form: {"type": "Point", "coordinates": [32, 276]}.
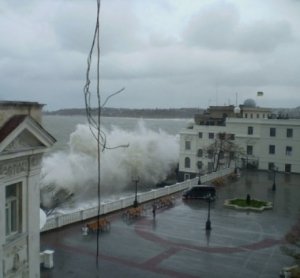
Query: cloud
{"type": "Point", "coordinates": [119, 27]}
{"type": "Point", "coordinates": [219, 26]}
{"type": "Point", "coordinates": [167, 53]}
{"type": "Point", "coordinates": [263, 36]}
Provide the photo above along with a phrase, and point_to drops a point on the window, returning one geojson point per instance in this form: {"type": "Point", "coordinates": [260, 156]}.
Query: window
{"type": "Point", "coordinates": [187, 145]}
{"type": "Point", "coordinates": [250, 130]}
{"type": "Point", "coordinates": [272, 131]}
{"type": "Point", "coordinates": [249, 150]}
{"type": "Point", "coordinates": [13, 209]}
{"type": "Point", "coordinates": [288, 168]}
{"type": "Point", "coordinates": [210, 167]}
{"type": "Point", "coordinates": [288, 150]}
{"type": "Point", "coordinates": [222, 136]}
{"type": "Point", "coordinates": [186, 176]}
{"type": "Point", "coordinates": [211, 135]}
{"type": "Point", "coordinates": [200, 153]}
{"type": "Point", "coordinates": [199, 165]}
{"type": "Point", "coordinates": [221, 155]}
{"type": "Point", "coordinates": [246, 115]}
{"type": "Point", "coordinates": [210, 153]}
{"type": "Point", "coordinates": [251, 116]}
{"type": "Point", "coordinates": [187, 162]}
{"type": "Point", "coordinates": [257, 116]}
{"type": "Point", "coordinates": [289, 132]}
{"type": "Point", "coordinates": [271, 166]}
{"type": "Point", "coordinates": [271, 149]}
{"type": "Point", "coordinates": [200, 134]}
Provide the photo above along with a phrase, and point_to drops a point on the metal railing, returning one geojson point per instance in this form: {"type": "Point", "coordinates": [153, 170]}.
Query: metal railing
{"type": "Point", "coordinates": [56, 221]}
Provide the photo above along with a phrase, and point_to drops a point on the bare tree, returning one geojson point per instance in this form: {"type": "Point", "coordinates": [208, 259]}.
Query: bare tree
{"type": "Point", "coordinates": [224, 150]}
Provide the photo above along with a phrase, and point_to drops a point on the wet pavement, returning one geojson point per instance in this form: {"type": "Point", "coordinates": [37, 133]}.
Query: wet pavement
{"type": "Point", "coordinates": [176, 244]}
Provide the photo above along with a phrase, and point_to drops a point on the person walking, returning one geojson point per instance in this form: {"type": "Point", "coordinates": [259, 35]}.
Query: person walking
{"type": "Point", "coordinates": [154, 210]}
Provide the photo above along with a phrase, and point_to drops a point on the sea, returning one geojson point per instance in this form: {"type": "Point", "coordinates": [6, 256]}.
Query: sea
{"type": "Point", "coordinates": [147, 149]}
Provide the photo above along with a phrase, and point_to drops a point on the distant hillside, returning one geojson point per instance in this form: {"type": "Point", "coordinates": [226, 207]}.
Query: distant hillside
{"type": "Point", "coordinates": [132, 113]}
{"type": "Point", "coordinates": [159, 113]}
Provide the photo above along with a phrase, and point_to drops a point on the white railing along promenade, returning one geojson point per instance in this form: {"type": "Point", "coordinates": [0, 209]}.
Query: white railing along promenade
{"type": "Point", "coordinates": [56, 221]}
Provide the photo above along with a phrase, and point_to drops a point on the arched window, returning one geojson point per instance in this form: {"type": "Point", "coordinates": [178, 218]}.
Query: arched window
{"type": "Point", "coordinates": [200, 152]}
{"type": "Point", "coordinates": [187, 162]}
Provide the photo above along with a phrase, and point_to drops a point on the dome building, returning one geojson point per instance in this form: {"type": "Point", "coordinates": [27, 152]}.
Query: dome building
{"type": "Point", "coordinates": [260, 141]}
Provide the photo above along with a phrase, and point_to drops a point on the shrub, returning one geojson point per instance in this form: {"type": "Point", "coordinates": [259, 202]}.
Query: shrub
{"type": "Point", "coordinates": [218, 181]}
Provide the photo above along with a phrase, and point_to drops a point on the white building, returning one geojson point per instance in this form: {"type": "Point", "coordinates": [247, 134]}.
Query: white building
{"type": "Point", "coordinates": [22, 144]}
{"type": "Point", "coordinates": [265, 141]}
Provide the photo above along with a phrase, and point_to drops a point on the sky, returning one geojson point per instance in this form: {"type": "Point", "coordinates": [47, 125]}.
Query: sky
{"type": "Point", "coordinates": [166, 53]}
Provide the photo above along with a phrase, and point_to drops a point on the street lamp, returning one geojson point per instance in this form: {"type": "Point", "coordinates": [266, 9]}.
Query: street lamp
{"type": "Point", "coordinates": [208, 224]}
{"type": "Point", "coordinates": [274, 176]}
{"type": "Point", "coordinates": [135, 180]}
{"type": "Point", "coordinates": [199, 180]}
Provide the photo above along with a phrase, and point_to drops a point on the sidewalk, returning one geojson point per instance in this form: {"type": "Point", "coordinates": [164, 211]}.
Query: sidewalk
{"type": "Point", "coordinates": [176, 244]}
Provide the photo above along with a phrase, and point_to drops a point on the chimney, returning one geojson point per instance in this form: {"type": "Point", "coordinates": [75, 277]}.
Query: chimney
{"type": "Point", "coordinates": [9, 109]}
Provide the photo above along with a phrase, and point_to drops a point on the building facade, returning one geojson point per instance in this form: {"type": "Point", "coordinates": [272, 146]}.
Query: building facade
{"type": "Point", "coordinates": [253, 138]}
{"type": "Point", "coordinates": [22, 144]}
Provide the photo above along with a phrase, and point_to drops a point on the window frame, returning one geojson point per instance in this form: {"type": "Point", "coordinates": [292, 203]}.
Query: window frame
{"type": "Point", "coordinates": [250, 130]}
{"type": "Point", "coordinates": [272, 149]}
{"type": "Point", "coordinates": [271, 166]}
{"type": "Point", "coordinates": [200, 153]}
{"type": "Point", "coordinates": [289, 132]}
{"type": "Point", "coordinates": [272, 131]}
{"type": "Point", "coordinates": [211, 135]}
{"type": "Point", "coordinates": [200, 165]}
{"type": "Point", "coordinates": [187, 145]}
{"type": "Point", "coordinates": [288, 150]}
{"type": "Point", "coordinates": [13, 209]}
{"type": "Point", "coordinates": [187, 162]}
{"type": "Point", "coordinates": [249, 147]}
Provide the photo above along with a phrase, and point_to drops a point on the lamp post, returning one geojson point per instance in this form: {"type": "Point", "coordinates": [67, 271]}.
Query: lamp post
{"type": "Point", "coordinates": [208, 224]}
{"type": "Point", "coordinates": [199, 180]}
{"type": "Point", "coordinates": [135, 180]}
{"type": "Point", "coordinates": [274, 177]}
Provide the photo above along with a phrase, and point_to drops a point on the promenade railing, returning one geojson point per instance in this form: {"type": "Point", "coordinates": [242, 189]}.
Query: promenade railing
{"type": "Point", "coordinates": [58, 220]}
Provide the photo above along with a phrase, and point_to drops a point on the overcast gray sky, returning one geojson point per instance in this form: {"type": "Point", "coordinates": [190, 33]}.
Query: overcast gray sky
{"type": "Point", "coordinates": [166, 53]}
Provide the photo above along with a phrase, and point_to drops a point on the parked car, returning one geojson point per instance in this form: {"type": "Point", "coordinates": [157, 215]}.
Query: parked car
{"type": "Point", "coordinates": [200, 192]}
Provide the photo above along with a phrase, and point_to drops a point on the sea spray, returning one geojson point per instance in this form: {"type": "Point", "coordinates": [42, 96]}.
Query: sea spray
{"type": "Point", "coordinates": [151, 155]}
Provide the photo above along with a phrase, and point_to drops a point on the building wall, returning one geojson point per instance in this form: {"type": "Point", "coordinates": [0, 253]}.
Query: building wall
{"type": "Point", "coordinates": [22, 148]}
{"type": "Point", "coordinates": [197, 143]}
{"type": "Point", "coordinates": [25, 244]}
{"type": "Point", "coordinates": [260, 140]}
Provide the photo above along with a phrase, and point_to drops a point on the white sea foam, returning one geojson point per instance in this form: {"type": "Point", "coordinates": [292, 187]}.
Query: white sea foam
{"type": "Point", "coordinates": [151, 155]}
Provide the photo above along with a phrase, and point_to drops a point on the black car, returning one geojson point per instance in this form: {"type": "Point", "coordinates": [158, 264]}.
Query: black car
{"type": "Point", "coordinates": [200, 192]}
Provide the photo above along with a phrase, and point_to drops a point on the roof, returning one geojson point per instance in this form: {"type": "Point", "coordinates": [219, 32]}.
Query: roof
{"type": "Point", "coordinates": [19, 103]}
{"type": "Point", "coordinates": [15, 121]}
{"type": "Point", "coordinates": [11, 125]}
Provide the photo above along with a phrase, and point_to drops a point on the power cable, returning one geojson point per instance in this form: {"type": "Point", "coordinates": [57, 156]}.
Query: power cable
{"type": "Point", "coordinates": [95, 124]}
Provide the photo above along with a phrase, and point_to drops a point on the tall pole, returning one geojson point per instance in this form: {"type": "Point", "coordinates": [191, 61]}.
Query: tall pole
{"type": "Point", "coordinates": [135, 203]}
{"type": "Point", "coordinates": [208, 224]}
{"type": "Point", "coordinates": [274, 182]}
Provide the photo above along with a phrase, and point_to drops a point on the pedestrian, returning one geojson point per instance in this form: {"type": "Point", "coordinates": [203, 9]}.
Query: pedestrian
{"type": "Point", "coordinates": [154, 210]}
{"type": "Point", "coordinates": [248, 199]}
